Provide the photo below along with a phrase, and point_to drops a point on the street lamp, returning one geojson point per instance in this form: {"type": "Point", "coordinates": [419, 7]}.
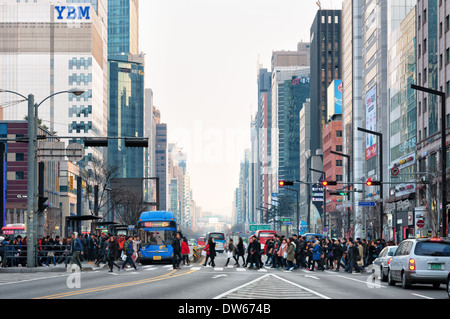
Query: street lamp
{"type": "Point", "coordinates": [443, 152]}
{"type": "Point", "coordinates": [380, 137]}
{"type": "Point", "coordinates": [32, 168]}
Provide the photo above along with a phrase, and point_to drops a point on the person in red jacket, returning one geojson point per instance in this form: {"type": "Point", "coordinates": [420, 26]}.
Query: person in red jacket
{"type": "Point", "coordinates": [185, 251]}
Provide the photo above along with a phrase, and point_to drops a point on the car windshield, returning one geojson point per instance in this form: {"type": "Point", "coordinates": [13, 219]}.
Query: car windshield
{"type": "Point", "coordinates": [431, 248]}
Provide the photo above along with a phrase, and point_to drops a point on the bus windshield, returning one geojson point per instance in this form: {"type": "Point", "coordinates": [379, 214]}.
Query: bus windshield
{"type": "Point", "coordinates": [217, 236]}
{"type": "Point", "coordinates": [157, 237]}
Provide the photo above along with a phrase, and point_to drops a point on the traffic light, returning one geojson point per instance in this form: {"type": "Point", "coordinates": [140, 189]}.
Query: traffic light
{"type": "Point", "coordinates": [42, 206]}
{"type": "Point", "coordinates": [370, 182]}
{"type": "Point", "coordinates": [285, 183]}
{"type": "Point", "coordinates": [96, 142]}
{"type": "Point", "coordinates": [136, 142]}
{"type": "Point", "coordinates": [329, 183]}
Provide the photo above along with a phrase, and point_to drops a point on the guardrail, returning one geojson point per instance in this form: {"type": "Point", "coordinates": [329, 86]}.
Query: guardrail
{"type": "Point", "coordinates": [13, 255]}
{"type": "Point", "coordinates": [197, 252]}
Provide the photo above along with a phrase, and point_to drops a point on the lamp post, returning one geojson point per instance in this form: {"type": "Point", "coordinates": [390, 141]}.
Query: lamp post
{"type": "Point", "coordinates": [324, 177]}
{"type": "Point", "coordinates": [380, 138]}
{"type": "Point", "coordinates": [32, 169]}
{"type": "Point", "coordinates": [348, 181]}
{"type": "Point", "coordinates": [444, 232]}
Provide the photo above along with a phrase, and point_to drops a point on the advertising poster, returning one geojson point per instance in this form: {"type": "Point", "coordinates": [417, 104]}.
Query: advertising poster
{"type": "Point", "coordinates": [371, 122]}
{"type": "Point", "coordinates": [338, 96]}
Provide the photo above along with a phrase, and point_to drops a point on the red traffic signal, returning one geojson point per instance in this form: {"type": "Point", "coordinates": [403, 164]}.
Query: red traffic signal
{"type": "Point", "coordinates": [372, 183]}
{"type": "Point", "coordinates": [285, 183]}
{"type": "Point", "coordinates": [329, 183]}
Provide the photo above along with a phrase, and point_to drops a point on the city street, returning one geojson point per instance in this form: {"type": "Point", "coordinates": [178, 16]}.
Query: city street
{"type": "Point", "coordinates": [195, 281]}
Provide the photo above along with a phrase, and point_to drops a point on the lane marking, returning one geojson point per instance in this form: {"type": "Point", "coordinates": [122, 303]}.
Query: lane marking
{"type": "Point", "coordinates": [304, 288]}
{"type": "Point", "coordinates": [240, 287]}
{"type": "Point", "coordinates": [172, 274]}
{"type": "Point", "coordinates": [422, 296]}
{"type": "Point", "coordinates": [362, 281]}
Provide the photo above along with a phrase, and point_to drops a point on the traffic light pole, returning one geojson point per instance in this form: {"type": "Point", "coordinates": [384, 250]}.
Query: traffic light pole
{"type": "Point", "coordinates": [348, 181]}
{"type": "Point", "coordinates": [380, 138]}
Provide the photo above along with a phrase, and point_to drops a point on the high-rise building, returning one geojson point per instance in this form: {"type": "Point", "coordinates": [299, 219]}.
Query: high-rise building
{"type": "Point", "coordinates": [123, 27]}
{"type": "Point", "coordinates": [263, 126]}
{"type": "Point", "coordinates": [402, 117]}
{"type": "Point", "coordinates": [161, 150]}
{"type": "Point", "coordinates": [283, 105]}
{"type": "Point", "coordinates": [125, 116]}
{"type": "Point", "coordinates": [352, 103]}
{"type": "Point", "coordinates": [126, 87]}
{"type": "Point", "coordinates": [432, 69]}
{"type": "Point", "coordinates": [326, 65]}
{"type": "Point", "coordinates": [301, 57]}
{"type": "Point", "coordinates": [39, 55]}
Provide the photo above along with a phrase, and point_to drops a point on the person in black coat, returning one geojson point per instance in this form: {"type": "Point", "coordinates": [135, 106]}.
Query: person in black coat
{"type": "Point", "coordinates": [176, 245]}
{"type": "Point", "coordinates": [353, 253]}
{"type": "Point", "coordinates": [240, 251]}
{"type": "Point", "coordinates": [210, 252]}
{"type": "Point", "coordinates": [112, 251]}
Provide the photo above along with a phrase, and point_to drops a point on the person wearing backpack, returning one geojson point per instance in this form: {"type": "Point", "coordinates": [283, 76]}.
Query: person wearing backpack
{"type": "Point", "coordinates": [76, 246]}
{"type": "Point", "coordinates": [128, 250]}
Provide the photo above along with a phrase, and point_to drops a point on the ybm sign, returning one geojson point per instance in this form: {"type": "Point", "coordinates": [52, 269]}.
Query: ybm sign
{"type": "Point", "coordinates": [72, 13]}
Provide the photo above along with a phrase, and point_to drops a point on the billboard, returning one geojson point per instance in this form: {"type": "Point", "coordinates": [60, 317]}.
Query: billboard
{"type": "Point", "coordinates": [334, 103]}
{"type": "Point", "coordinates": [371, 122]}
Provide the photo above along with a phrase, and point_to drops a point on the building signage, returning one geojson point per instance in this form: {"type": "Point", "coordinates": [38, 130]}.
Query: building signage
{"type": "Point", "coordinates": [73, 13]}
{"type": "Point", "coordinates": [300, 81]}
{"type": "Point", "coordinates": [371, 122]}
{"type": "Point", "coordinates": [338, 96]}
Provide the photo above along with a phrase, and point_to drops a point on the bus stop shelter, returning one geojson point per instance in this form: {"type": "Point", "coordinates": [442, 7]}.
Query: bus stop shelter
{"type": "Point", "coordinates": [73, 223]}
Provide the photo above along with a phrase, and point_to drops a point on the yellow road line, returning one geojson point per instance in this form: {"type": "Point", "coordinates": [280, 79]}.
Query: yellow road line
{"type": "Point", "coordinates": [116, 286]}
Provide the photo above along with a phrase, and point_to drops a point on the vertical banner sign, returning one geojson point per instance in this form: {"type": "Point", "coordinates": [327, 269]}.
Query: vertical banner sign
{"type": "Point", "coordinates": [338, 89]}
{"type": "Point", "coordinates": [371, 122]}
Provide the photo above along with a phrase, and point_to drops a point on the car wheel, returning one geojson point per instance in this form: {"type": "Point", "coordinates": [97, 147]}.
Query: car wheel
{"type": "Point", "coordinates": [448, 286]}
{"type": "Point", "coordinates": [382, 275]}
{"type": "Point", "coordinates": [391, 281]}
{"type": "Point", "coordinates": [405, 283]}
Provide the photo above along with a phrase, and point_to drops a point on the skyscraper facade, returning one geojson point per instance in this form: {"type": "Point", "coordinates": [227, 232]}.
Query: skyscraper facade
{"type": "Point", "coordinates": [326, 62]}
{"type": "Point", "coordinates": [39, 55]}
{"type": "Point", "coordinates": [126, 87]}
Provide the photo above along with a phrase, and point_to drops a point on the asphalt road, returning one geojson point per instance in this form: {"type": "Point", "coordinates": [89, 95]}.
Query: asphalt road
{"type": "Point", "coordinates": [195, 281]}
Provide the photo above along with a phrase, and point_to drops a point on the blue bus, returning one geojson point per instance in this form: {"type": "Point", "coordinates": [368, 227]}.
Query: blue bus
{"type": "Point", "coordinates": [219, 239]}
{"type": "Point", "coordinates": [156, 231]}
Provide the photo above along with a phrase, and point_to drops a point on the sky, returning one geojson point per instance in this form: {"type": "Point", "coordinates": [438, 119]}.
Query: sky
{"type": "Point", "coordinates": [201, 63]}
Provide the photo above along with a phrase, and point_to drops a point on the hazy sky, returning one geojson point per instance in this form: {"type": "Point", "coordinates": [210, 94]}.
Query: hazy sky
{"type": "Point", "coordinates": [201, 63]}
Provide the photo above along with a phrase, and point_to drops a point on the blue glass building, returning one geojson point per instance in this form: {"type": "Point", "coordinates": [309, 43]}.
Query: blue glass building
{"type": "Point", "coordinates": [126, 88]}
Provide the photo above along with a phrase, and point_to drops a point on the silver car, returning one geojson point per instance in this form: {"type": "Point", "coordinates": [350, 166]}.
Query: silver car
{"type": "Point", "coordinates": [383, 260]}
{"type": "Point", "coordinates": [425, 261]}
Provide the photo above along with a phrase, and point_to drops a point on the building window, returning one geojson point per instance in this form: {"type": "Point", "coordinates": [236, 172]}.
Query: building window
{"type": "Point", "coordinates": [424, 105]}
{"type": "Point", "coordinates": [339, 163]}
{"type": "Point", "coordinates": [338, 133]}
{"type": "Point", "coordinates": [339, 178]}
{"type": "Point", "coordinates": [339, 148]}
{"type": "Point", "coordinates": [20, 176]}
{"type": "Point", "coordinates": [20, 157]}
{"type": "Point", "coordinates": [447, 23]}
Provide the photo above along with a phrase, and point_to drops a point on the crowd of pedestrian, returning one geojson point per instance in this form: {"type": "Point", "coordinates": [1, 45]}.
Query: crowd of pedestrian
{"type": "Point", "coordinates": [103, 248]}
{"type": "Point", "coordinates": [291, 253]}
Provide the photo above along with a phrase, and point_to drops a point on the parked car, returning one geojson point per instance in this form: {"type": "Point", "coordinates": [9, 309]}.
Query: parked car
{"type": "Point", "coordinates": [383, 261]}
{"type": "Point", "coordinates": [425, 261]}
